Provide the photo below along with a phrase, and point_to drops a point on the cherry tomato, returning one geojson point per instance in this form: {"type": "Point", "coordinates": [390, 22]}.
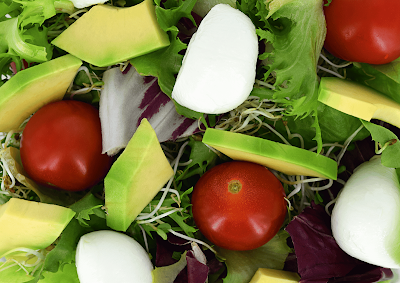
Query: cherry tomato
{"type": "Point", "coordinates": [239, 205]}
{"type": "Point", "coordinates": [365, 31]}
{"type": "Point", "coordinates": [61, 146]}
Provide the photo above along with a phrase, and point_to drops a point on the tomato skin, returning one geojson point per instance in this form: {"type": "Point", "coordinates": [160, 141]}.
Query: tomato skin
{"type": "Point", "coordinates": [365, 31]}
{"type": "Point", "coordinates": [61, 146]}
{"type": "Point", "coordinates": [244, 220]}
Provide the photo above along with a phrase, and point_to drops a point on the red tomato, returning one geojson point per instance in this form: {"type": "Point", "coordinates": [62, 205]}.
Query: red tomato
{"type": "Point", "coordinates": [365, 31]}
{"type": "Point", "coordinates": [61, 146]}
{"type": "Point", "coordinates": [239, 205]}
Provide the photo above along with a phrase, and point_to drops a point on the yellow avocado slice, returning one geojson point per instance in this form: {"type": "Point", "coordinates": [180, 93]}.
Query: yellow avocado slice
{"type": "Point", "coordinates": [135, 178]}
{"type": "Point", "coordinates": [34, 87]}
{"type": "Point", "coordinates": [107, 35]}
{"type": "Point", "coordinates": [266, 275]}
{"type": "Point", "coordinates": [284, 158]}
{"type": "Point", "coordinates": [358, 100]}
{"type": "Point", "coordinates": [29, 224]}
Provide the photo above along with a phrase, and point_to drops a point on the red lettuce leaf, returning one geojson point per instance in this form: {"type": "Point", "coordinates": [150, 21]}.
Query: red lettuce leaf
{"type": "Point", "coordinates": [195, 271]}
{"type": "Point", "coordinates": [319, 257]}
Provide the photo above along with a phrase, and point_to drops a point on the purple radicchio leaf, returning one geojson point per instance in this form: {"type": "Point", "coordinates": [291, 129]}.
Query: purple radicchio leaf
{"type": "Point", "coordinates": [197, 271]}
{"type": "Point", "coordinates": [128, 98]}
{"type": "Point", "coordinates": [365, 272]}
{"type": "Point", "coordinates": [319, 257]}
{"type": "Point", "coordinates": [165, 249]}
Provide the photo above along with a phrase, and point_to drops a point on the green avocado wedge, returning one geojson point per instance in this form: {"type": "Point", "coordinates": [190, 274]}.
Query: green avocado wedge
{"type": "Point", "coordinates": [29, 224]}
{"type": "Point", "coordinates": [358, 100]}
{"type": "Point", "coordinates": [30, 89]}
{"type": "Point", "coordinates": [135, 178]}
{"type": "Point", "coordinates": [107, 35]}
{"type": "Point", "coordinates": [284, 158]}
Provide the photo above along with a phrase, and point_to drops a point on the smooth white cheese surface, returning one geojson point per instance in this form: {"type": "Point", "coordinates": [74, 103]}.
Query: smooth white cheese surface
{"type": "Point", "coordinates": [86, 3]}
{"type": "Point", "coordinates": [112, 257]}
{"type": "Point", "coordinates": [365, 218]}
{"type": "Point", "coordinates": [219, 67]}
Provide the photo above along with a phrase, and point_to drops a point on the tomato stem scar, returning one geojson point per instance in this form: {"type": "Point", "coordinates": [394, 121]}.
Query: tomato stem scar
{"type": "Point", "coordinates": [234, 186]}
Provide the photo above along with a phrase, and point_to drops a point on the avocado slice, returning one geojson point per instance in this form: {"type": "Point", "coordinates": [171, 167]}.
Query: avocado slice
{"type": "Point", "coordinates": [34, 87]}
{"type": "Point", "coordinates": [135, 178]}
{"type": "Point", "coordinates": [358, 100]}
{"type": "Point", "coordinates": [284, 158]}
{"type": "Point", "coordinates": [29, 224]}
{"type": "Point", "coordinates": [107, 35]}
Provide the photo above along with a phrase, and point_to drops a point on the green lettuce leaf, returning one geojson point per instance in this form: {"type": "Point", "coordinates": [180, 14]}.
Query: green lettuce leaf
{"type": "Point", "coordinates": [335, 126]}
{"type": "Point", "coordinates": [296, 31]}
{"type": "Point", "coordinates": [391, 154]}
{"type": "Point", "coordinates": [167, 274]}
{"type": "Point", "coordinates": [66, 274]}
{"type": "Point", "coordinates": [243, 264]}
{"type": "Point", "coordinates": [383, 78]}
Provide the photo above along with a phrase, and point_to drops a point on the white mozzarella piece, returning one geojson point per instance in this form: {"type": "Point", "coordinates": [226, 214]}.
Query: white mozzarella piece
{"type": "Point", "coordinates": [219, 67]}
{"type": "Point", "coordinates": [111, 257]}
{"type": "Point", "coordinates": [366, 216]}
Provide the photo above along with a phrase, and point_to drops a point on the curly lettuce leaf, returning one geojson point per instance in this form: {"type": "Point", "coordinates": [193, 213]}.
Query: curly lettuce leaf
{"type": "Point", "coordinates": [23, 36]}
{"type": "Point", "coordinates": [35, 12]}
{"type": "Point", "coordinates": [7, 8]}
{"type": "Point", "coordinates": [173, 10]}
{"type": "Point", "coordinates": [66, 274]}
{"type": "Point", "coordinates": [86, 208]}
{"type": "Point", "coordinates": [296, 32]}
{"type": "Point", "coordinates": [16, 42]}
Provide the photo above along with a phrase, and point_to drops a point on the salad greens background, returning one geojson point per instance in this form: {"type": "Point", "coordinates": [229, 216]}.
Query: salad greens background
{"type": "Point", "coordinates": [291, 34]}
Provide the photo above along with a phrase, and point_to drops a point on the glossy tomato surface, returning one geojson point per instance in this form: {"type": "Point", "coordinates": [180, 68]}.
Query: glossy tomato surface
{"type": "Point", "coordinates": [363, 30]}
{"type": "Point", "coordinates": [239, 205]}
{"type": "Point", "coordinates": [61, 146]}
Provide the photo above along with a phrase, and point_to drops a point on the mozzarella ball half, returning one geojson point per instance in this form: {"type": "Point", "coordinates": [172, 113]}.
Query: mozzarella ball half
{"type": "Point", "coordinates": [219, 67]}
{"type": "Point", "coordinates": [111, 257]}
{"type": "Point", "coordinates": [366, 216]}
{"type": "Point", "coordinates": [86, 3]}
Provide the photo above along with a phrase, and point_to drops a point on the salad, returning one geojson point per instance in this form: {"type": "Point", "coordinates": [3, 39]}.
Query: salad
{"type": "Point", "coordinates": [283, 108]}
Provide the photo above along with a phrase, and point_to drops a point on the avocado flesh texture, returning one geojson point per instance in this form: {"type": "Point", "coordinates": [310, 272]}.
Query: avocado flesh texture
{"type": "Point", "coordinates": [135, 178]}
{"type": "Point", "coordinates": [284, 158]}
{"type": "Point", "coordinates": [29, 224]}
{"type": "Point", "coordinates": [108, 35]}
{"type": "Point", "coordinates": [33, 88]}
{"type": "Point", "coordinates": [358, 100]}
